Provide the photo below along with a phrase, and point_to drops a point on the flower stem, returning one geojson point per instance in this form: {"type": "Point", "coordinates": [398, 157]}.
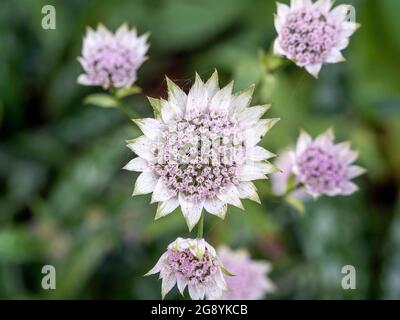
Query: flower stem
{"type": "Point", "coordinates": [200, 227]}
{"type": "Point", "coordinates": [290, 190]}
{"type": "Point", "coordinates": [123, 107]}
{"type": "Point", "coordinates": [126, 111]}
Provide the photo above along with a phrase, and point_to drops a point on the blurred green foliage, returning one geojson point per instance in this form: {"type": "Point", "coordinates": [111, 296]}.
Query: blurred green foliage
{"type": "Point", "coordinates": [65, 200]}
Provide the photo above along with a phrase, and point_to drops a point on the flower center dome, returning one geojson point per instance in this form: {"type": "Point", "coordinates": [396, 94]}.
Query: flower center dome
{"type": "Point", "coordinates": [192, 269]}
{"type": "Point", "coordinates": [320, 169]}
{"type": "Point", "coordinates": [201, 153]}
{"type": "Point", "coordinates": [115, 62]}
{"type": "Point", "coordinates": [308, 35]}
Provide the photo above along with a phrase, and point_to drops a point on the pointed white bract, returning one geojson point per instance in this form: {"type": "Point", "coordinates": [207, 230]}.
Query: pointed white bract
{"type": "Point", "coordinates": [202, 149]}
{"type": "Point", "coordinates": [283, 181]}
{"type": "Point", "coordinates": [191, 263]}
{"type": "Point", "coordinates": [312, 34]}
{"type": "Point", "coordinates": [250, 279]}
{"type": "Point", "coordinates": [112, 59]}
{"type": "Point", "coordinates": [323, 167]}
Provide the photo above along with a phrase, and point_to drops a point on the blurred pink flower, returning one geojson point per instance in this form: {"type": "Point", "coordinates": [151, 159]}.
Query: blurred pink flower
{"type": "Point", "coordinates": [250, 279]}
{"type": "Point", "coordinates": [311, 34]}
{"type": "Point", "coordinates": [112, 60]}
{"type": "Point", "coordinates": [324, 167]}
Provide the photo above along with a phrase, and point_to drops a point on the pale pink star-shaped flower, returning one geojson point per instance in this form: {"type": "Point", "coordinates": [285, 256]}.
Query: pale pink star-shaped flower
{"type": "Point", "coordinates": [312, 33]}
{"type": "Point", "coordinates": [323, 167]}
{"type": "Point", "coordinates": [191, 263]}
{"type": "Point", "coordinates": [111, 60]}
{"type": "Point", "coordinates": [201, 152]}
{"type": "Point", "coordinates": [250, 279]}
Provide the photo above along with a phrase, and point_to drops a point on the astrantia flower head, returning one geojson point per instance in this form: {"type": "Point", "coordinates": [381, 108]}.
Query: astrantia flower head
{"type": "Point", "coordinates": [192, 263]}
{"type": "Point", "coordinates": [250, 280]}
{"type": "Point", "coordinates": [112, 60]}
{"type": "Point", "coordinates": [201, 150]}
{"type": "Point", "coordinates": [323, 167]}
{"type": "Point", "coordinates": [311, 34]}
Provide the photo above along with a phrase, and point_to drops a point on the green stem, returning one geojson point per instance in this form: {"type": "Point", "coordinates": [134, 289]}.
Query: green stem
{"type": "Point", "coordinates": [200, 227]}
{"type": "Point", "coordinates": [126, 111]}
{"type": "Point", "coordinates": [121, 106]}
{"type": "Point", "coordinates": [290, 190]}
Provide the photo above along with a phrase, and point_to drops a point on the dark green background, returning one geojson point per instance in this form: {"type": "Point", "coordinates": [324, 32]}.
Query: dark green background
{"type": "Point", "coordinates": [65, 201]}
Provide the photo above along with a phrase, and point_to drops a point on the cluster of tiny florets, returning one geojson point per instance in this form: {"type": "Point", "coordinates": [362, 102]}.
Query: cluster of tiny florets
{"type": "Point", "coordinates": [111, 60]}
{"type": "Point", "coordinates": [112, 64]}
{"type": "Point", "coordinates": [200, 155]}
{"type": "Point", "coordinates": [321, 169]}
{"type": "Point", "coordinates": [308, 35]}
{"type": "Point", "coordinates": [192, 269]}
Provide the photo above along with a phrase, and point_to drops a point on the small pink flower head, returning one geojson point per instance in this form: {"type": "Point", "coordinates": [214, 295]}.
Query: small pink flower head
{"type": "Point", "coordinates": [112, 60]}
{"type": "Point", "coordinates": [323, 167]}
{"type": "Point", "coordinates": [250, 278]}
{"type": "Point", "coordinates": [311, 34]}
{"type": "Point", "coordinates": [192, 263]}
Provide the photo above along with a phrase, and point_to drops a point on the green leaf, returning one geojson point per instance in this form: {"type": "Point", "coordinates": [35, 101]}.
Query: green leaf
{"type": "Point", "coordinates": [156, 104]}
{"type": "Point", "coordinates": [125, 92]}
{"type": "Point", "coordinates": [81, 263]}
{"type": "Point", "coordinates": [1, 113]}
{"type": "Point", "coordinates": [182, 24]}
{"type": "Point", "coordinates": [291, 183]}
{"type": "Point", "coordinates": [295, 203]}
{"type": "Point", "coordinates": [227, 272]}
{"type": "Point", "coordinates": [101, 100]}
{"type": "Point", "coordinates": [18, 245]}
